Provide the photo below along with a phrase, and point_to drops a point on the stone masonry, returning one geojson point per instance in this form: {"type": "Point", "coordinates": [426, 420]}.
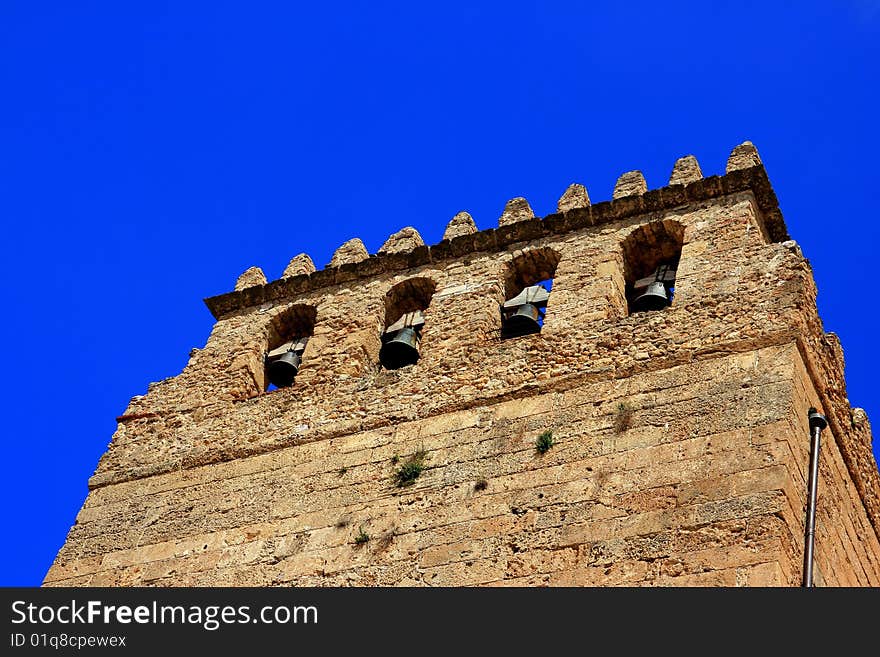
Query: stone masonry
{"type": "Point", "coordinates": [680, 440]}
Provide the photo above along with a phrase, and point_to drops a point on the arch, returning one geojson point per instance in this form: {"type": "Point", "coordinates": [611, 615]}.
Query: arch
{"type": "Point", "coordinates": [651, 254]}
{"type": "Point", "coordinates": [288, 333]}
{"type": "Point", "coordinates": [528, 279]}
{"type": "Point", "coordinates": [413, 294]}
{"type": "Point", "coordinates": [405, 304]}
{"type": "Point", "coordinates": [529, 268]}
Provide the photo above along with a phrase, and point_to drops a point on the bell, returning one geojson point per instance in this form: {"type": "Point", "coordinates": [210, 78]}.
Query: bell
{"type": "Point", "coordinates": [654, 298]}
{"type": "Point", "coordinates": [523, 322]}
{"type": "Point", "coordinates": [401, 350]}
{"type": "Point", "coordinates": [282, 371]}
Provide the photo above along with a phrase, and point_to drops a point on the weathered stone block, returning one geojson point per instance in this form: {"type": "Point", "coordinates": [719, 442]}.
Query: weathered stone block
{"type": "Point", "coordinates": [519, 232]}
{"type": "Point", "coordinates": [323, 277]}
{"type": "Point", "coordinates": [485, 240]}
{"type": "Point", "coordinates": [556, 223]}
{"type": "Point", "coordinates": [703, 189]}
{"type": "Point", "coordinates": [351, 251]}
{"type": "Point", "coordinates": [251, 277]}
{"type": "Point", "coordinates": [517, 209]}
{"type": "Point", "coordinates": [631, 183]}
{"type": "Point", "coordinates": [442, 249]}
{"type": "Point", "coordinates": [369, 267]}
{"type": "Point", "coordinates": [299, 265]}
{"type": "Point", "coordinates": [461, 224]}
{"type": "Point", "coordinates": [574, 197]}
{"type": "Point", "coordinates": [686, 170]}
{"type": "Point", "coordinates": [462, 244]}
{"type": "Point", "coordinates": [404, 240]}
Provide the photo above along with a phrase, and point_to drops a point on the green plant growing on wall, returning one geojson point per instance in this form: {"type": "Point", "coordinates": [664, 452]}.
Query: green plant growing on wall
{"type": "Point", "coordinates": [544, 441]}
{"type": "Point", "coordinates": [362, 537]}
{"type": "Point", "coordinates": [410, 469]}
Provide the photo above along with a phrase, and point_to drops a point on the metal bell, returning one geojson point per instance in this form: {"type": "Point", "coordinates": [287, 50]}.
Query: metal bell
{"type": "Point", "coordinates": [654, 298]}
{"type": "Point", "coordinates": [523, 322]}
{"type": "Point", "coordinates": [401, 350]}
{"type": "Point", "coordinates": [283, 370]}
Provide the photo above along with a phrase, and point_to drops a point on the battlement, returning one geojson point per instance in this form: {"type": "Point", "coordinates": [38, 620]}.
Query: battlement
{"type": "Point", "coordinates": [721, 235]}
{"type": "Point", "coordinates": [406, 250]}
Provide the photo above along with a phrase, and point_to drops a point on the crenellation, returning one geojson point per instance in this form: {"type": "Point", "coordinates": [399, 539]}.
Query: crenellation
{"type": "Point", "coordinates": [299, 265]}
{"type": "Point", "coordinates": [679, 436]}
{"type": "Point", "coordinates": [349, 252]}
{"type": "Point", "coordinates": [517, 209]}
{"type": "Point", "coordinates": [468, 242]}
{"type": "Point", "coordinates": [631, 183]}
{"type": "Point", "coordinates": [403, 241]}
{"type": "Point", "coordinates": [743, 156]}
{"type": "Point", "coordinates": [574, 197]}
{"type": "Point", "coordinates": [686, 170]}
{"type": "Point", "coordinates": [250, 277]}
{"type": "Point", "coordinates": [461, 224]}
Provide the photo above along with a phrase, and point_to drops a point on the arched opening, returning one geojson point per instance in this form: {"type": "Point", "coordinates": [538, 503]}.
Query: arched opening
{"type": "Point", "coordinates": [527, 284]}
{"type": "Point", "coordinates": [650, 262]}
{"type": "Point", "coordinates": [289, 332]}
{"type": "Point", "coordinates": [405, 304]}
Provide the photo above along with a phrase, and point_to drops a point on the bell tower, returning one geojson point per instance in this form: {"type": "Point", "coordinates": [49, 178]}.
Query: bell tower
{"type": "Point", "coordinates": [579, 399]}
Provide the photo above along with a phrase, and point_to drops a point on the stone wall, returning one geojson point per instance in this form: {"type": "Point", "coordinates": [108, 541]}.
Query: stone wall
{"type": "Point", "coordinates": [692, 475]}
{"type": "Point", "coordinates": [680, 436]}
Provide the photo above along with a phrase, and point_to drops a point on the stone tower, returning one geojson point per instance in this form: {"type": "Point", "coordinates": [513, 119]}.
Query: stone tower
{"type": "Point", "coordinates": [646, 424]}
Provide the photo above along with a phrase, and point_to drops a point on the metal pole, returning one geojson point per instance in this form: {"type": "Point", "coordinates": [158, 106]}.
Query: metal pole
{"type": "Point", "coordinates": [817, 423]}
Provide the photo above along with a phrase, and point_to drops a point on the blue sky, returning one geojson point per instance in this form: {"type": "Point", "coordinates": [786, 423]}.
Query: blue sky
{"type": "Point", "coordinates": [153, 151]}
